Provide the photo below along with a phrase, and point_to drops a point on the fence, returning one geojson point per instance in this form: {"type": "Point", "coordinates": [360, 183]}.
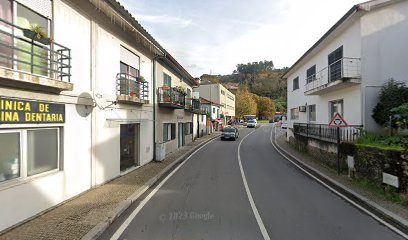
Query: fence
{"type": "Point", "coordinates": [329, 134]}
{"type": "Point", "coordinates": [131, 86]}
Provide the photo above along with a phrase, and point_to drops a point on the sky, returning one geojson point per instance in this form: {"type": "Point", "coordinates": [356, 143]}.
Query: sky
{"type": "Point", "coordinates": [213, 36]}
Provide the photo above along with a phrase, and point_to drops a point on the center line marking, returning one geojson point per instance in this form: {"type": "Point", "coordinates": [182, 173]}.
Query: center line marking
{"type": "Point", "coordinates": [248, 192]}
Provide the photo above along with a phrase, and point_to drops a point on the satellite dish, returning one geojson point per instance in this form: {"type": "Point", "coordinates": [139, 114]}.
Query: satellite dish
{"type": "Point", "coordinates": [100, 99]}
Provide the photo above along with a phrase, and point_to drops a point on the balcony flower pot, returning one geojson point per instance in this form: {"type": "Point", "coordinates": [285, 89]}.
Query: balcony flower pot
{"type": "Point", "coordinates": [36, 33]}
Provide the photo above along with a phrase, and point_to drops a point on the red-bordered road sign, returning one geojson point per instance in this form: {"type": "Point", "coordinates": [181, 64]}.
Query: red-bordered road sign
{"type": "Point", "coordinates": [338, 121]}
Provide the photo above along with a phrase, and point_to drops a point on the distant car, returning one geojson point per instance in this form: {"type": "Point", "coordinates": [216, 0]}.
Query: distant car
{"type": "Point", "coordinates": [284, 125]}
{"type": "Point", "coordinates": [230, 133]}
{"type": "Point", "coordinates": [251, 123]}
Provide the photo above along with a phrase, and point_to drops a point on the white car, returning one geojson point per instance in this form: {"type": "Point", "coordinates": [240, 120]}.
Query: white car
{"type": "Point", "coordinates": [251, 123]}
{"type": "Point", "coordinates": [284, 125]}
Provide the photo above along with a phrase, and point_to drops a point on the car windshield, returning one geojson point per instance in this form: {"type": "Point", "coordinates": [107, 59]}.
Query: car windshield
{"type": "Point", "coordinates": [229, 130]}
{"type": "Point", "coordinates": [251, 121]}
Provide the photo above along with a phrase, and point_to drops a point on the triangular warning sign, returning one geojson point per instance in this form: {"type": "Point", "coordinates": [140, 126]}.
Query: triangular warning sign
{"type": "Point", "coordinates": [338, 121]}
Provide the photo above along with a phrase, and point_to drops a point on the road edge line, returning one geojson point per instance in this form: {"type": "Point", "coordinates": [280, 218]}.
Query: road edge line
{"type": "Point", "coordinates": [305, 168]}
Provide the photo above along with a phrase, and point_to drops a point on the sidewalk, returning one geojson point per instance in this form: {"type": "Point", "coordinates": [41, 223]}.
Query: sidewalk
{"type": "Point", "coordinates": [90, 213]}
{"type": "Point", "coordinates": [387, 209]}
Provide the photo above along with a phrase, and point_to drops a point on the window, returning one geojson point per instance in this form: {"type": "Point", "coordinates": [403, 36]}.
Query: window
{"type": "Point", "coordinates": [335, 63]}
{"type": "Point", "coordinates": [336, 107]}
{"type": "Point", "coordinates": [169, 131]}
{"type": "Point", "coordinates": [28, 152]}
{"type": "Point", "coordinates": [295, 83]}
{"type": "Point", "coordinates": [202, 117]}
{"type": "Point", "coordinates": [124, 68]}
{"type": "Point", "coordinates": [294, 113]}
{"type": "Point", "coordinates": [312, 113]}
{"type": "Point", "coordinates": [222, 92]}
{"type": "Point", "coordinates": [311, 74]}
{"type": "Point", "coordinates": [166, 80]}
{"type": "Point", "coordinates": [213, 110]}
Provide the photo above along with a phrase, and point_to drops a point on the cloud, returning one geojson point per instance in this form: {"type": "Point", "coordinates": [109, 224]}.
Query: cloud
{"type": "Point", "coordinates": [165, 19]}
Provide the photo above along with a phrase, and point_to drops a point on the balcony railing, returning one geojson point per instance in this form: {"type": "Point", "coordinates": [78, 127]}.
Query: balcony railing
{"type": "Point", "coordinates": [344, 69]}
{"type": "Point", "coordinates": [171, 97]}
{"type": "Point", "coordinates": [131, 89]}
{"type": "Point", "coordinates": [193, 105]}
{"type": "Point", "coordinates": [329, 134]}
{"type": "Point", "coordinates": [21, 50]}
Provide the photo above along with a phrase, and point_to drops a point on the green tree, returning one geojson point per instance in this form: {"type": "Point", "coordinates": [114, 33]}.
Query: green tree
{"type": "Point", "coordinates": [393, 94]}
{"type": "Point", "coordinates": [244, 104]}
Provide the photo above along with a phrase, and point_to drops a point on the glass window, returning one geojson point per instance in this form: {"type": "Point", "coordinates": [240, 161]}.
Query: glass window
{"type": "Point", "coordinates": [166, 80]}
{"type": "Point", "coordinates": [336, 107]}
{"type": "Point", "coordinates": [295, 83]}
{"type": "Point", "coordinates": [124, 68]}
{"type": "Point", "coordinates": [294, 113]}
{"type": "Point", "coordinates": [10, 156]}
{"type": "Point", "coordinates": [42, 151]}
{"type": "Point", "coordinates": [5, 40]}
{"type": "Point", "coordinates": [213, 110]}
{"type": "Point", "coordinates": [312, 113]}
{"type": "Point", "coordinates": [311, 74]}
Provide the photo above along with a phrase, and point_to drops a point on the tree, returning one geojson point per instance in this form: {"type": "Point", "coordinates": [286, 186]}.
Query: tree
{"type": "Point", "coordinates": [393, 94]}
{"type": "Point", "coordinates": [266, 107]}
{"type": "Point", "coordinates": [245, 104]}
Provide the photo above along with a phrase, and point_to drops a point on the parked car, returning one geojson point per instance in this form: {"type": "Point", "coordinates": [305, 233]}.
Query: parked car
{"type": "Point", "coordinates": [230, 133]}
{"type": "Point", "coordinates": [284, 125]}
{"type": "Point", "coordinates": [251, 123]}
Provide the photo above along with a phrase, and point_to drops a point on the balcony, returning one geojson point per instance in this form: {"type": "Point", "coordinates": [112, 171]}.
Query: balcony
{"type": "Point", "coordinates": [31, 63]}
{"type": "Point", "coordinates": [193, 105]}
{"type": "Point", "coordinates": [341, 74]}
{"type": "Point", "coordinates": [171, 97]}
{"type": "Point", "coordinates": [130, 89]}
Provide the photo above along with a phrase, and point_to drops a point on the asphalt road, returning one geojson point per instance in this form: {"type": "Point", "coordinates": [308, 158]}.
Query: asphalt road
{"type": "Point", "coordinates": [206, 199]}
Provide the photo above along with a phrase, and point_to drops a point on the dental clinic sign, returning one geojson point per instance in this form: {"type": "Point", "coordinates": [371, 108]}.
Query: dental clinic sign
{"type": "Point", "coordinates": [14, 111]}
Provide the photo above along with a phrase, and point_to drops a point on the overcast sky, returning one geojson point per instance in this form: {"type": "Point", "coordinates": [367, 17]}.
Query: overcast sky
{"type": "Point", "coordinates": [213, 36]}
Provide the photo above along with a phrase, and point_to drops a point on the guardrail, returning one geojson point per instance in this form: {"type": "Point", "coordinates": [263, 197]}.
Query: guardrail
{"type": "Point", "coordinates": [20, 49]}
{"type": "Point", "coordinates": [171, 97]}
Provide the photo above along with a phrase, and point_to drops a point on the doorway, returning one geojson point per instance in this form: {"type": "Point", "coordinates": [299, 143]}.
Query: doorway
{"type": "Point", "coordinates": [129, 146]}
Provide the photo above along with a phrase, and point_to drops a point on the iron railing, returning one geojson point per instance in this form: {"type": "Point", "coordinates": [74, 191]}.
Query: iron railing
{"type": "Point", "coordinates": [21, 50]}
{"type": "Point", "coordinates": [193, 104]}
{"type": "Point", "coordinates": [329, 134]}
{"type": "Point", "coordinates": [128, 85]}
{"type": "Point", "coordinates": [171, 96]}
{"type": "Point", "coordinates": [344, 68]}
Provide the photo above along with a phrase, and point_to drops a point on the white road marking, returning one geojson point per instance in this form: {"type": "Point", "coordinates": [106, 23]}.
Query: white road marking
{"type": "Point", "coordinates": [126, 223]}
{"type": "Point", "coordinates": [396, 230]}
{"type": "Point", "coordinates": [251, 200]}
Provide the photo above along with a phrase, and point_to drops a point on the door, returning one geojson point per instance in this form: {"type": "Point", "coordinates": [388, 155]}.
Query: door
{"type": "Point", "coordinates": [181, 136]}
{"type": "Point", "coordinates": [129, 146]}
{"type": "Point", "coordinates": [335, 64]}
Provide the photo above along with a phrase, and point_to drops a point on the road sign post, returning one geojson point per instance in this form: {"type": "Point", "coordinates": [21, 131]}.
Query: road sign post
{"type": "Point", "coordinates": [338, 122]}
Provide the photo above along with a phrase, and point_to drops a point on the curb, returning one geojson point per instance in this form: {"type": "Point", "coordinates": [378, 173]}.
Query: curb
{"type": "Point", "coordinates": [391, 218]}
{"type": "Point", "coordinates": [97, 231]}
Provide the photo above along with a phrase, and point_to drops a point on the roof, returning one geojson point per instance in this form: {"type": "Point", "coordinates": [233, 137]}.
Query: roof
{"type": "Point", "coordinates": [206, 101]}
{"type": "Point", "coordinates": [355, 11]}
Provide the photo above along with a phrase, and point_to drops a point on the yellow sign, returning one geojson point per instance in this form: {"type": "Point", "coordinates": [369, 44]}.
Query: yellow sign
{"type": "Point", "coordinates": [22, 111]}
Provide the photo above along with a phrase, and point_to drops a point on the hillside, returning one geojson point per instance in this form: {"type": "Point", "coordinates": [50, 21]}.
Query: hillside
{"type": "Point", "coordinates": [260, 78]}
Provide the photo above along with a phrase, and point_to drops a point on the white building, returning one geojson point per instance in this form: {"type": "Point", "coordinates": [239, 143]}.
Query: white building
{"type": "Point", "coordinates": [345, 69]}
{"type": "Point", "coordinates": [77, 111]}
{"type": "Point", "coordinates": [217, 93]}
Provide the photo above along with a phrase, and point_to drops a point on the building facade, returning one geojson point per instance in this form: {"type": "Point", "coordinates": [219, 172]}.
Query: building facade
{"type": "Point", "coordinates": [217, 93]}
{"type": "Point", "coordinates": [79, 109]}
{"type": "Point", "coordinates": [344, 71]}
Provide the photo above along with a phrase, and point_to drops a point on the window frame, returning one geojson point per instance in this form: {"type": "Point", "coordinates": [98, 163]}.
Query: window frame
{"type": "Point", "coordinates": [309, 108]}
{"type": "Point", "coordinates": [296, 109]}
{"type": "Point", "coordinates": [311, 74]}
{"type": "Point", "coordinates": [23, 154]}
{"type": "Point", "coordinates": [169, 130]}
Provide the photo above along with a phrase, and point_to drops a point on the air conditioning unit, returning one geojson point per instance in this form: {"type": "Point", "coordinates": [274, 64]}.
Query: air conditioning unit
{"type": "Point", "coordinates": [302, 108]}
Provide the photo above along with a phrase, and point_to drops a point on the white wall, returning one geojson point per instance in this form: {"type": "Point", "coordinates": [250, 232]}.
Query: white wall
{"type": "Point", "coordinates": [384, 55]}
{"type": "Point", "coordinates": [351, 42]}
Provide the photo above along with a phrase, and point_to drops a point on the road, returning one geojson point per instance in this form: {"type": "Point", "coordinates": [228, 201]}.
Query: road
{"type": "Point", "coordinates": [206, 198]}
